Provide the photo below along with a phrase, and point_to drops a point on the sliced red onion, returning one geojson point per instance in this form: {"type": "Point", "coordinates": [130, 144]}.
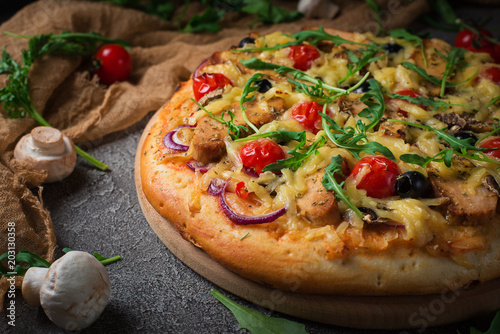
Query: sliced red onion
{"type": "Point", "coordinates": [250, 171]}
{"type": "Point", "coordinates": [173, 142]}
{"type": "Point", "coordinates": [197, 72]}
{"type": "Point", "coordinates": [197, 166]}
{"type": "Point", "coordinates": [215, 187]}
{"type": "Point", "coordinates": [245, 220]}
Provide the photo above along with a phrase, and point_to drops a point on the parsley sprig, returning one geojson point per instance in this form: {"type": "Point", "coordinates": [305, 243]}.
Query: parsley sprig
{"type": "Point", "coordinates": [462, 147]}
{"type": "Point", "coordinates": [15, 95]}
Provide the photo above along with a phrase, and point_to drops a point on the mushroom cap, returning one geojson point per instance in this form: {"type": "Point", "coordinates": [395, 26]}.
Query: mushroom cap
{"type": "Point", "coordinates": [75, 291]}
{"type": "Point", "coordinates": [46, 148]}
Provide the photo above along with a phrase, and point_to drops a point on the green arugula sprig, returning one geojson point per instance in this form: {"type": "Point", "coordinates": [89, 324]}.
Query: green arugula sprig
{"type": "Point", "coordinates": [330, 183]}
{"type": "Point", "coordinates": [462, 147]}
{"type": "Point", "coordinates": [429, 102]}
{"type": "Point", "coordinates": [249, 88]}
{"type": "Point", "coordinates": [313, 37]}
{"type": "Point", "coordinates": [15, 95]}
{"type": "Point", "coordinates": [34, 260]}
{"type": "Point", "coordinates": [316, 91]}
{"type": "Point", "coordinates": [234, 130]}
{"type": "Point", "coordinates": [357, 63]}
{"type": "Point", "coordinates": [416, 40]}
{"type": "Point", "coordinates": [375, 102]}
{"type": "Point", "coordinates": [256, 322]}
{"type": "Point", "coordinates": [376, 12]}
{"type": "Point", "coordinates": [492, 102]}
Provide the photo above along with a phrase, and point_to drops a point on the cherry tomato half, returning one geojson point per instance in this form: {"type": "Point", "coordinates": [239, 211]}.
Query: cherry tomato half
{"type": "Point", "coordinates": [115, 63]}
{"type": "Point", "coordinates": [410, 93]}
{"type": "Point", "coordinates": [491, 73]}
{"type": "Point", "coordinates": [259, 153]}
{"type": "Point", "coordinates": [241, 190]}
{"type": "Point", "coordinates": [303, 56]}
{"type": "Point", "coordinates": [379, 180]}
{"type": "Point", "coordinates": [307, 114]}
{"type": "Point", "coordinates": [208, 82]}
{"type": "Point", "coordinates": [493, 143]}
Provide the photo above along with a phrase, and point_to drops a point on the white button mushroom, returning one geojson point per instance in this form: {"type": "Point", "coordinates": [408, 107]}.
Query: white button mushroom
{"type": "Point", "coordinates": [46, 148]}
{"type": "Point", "coordinates": [323, 9]}
{"type": "Point", "coordinates": [73, 291]}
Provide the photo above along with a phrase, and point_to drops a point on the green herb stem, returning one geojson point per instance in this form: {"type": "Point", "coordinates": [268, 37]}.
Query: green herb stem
{"type": "Point", "coordinates": [110, 260]}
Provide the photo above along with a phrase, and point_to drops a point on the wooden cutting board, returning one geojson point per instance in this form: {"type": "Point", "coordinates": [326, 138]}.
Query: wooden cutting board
{"type": "Point", "coordinates": [391, 312]}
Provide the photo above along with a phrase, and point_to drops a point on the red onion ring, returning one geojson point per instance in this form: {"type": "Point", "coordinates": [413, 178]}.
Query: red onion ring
{"type": "Point", "coordinates": [215, 187]}
{"type": "Point", "coordinates": [197, 166]}
{"type": "Point", "coordinates": [196, 72]}
{"type": "Point", "coordinates": [245, 220]}
{"type": "Point", "coordinates": [173, 142]}
{"type": "Point", "coordinates": [250, 171]}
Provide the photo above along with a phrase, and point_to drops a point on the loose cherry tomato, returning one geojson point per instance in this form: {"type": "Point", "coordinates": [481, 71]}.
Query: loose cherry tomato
{"type": "Point", "coordinates": [467, 38]}
{"type": "Point", "coordinates": [241, 190]}
{"type": "Point", "coordinates": [474, 43]}
{"type": "Point", "coordinates": [115, 63]}
{"type": "Point", "coordinates": [410, 93]}
{"type": "Point", "coordinates": [491, 73]}
{"type": "Point", "coordinates": [259, 153]}
{"type": "Point", "coordinates": [303, 56]}
{"type": "Point", "coordinates": [493, 143]}
{"type": "Point", "coordinates": [208, 82]}
{"type": "Point", "coordinates": [307, 114]}
{"type": "Point", "coordinates": [379, 179]}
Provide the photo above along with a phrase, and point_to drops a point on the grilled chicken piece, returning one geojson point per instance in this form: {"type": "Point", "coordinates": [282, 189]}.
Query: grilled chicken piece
{"type": "Point", "coordinates": [395, 130]}
{"type": "Point", "coordinates": [350, 105]}
{"type": "Point", "coordinates": [208, 140]}
{"type": "Point", "coordinates": [465, 207]}
{"type": "Point", "coordinates": [317, 204]}
{"type": "Point", "coordinates": [209, 134]}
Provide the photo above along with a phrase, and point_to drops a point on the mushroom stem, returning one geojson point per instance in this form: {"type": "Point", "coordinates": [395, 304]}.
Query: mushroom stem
{"type": "Point", "coordinates": [32, 282]}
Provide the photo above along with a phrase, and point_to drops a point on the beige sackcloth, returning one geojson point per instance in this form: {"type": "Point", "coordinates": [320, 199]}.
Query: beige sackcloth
{"type": "Point", "coordinates": [71, 100]}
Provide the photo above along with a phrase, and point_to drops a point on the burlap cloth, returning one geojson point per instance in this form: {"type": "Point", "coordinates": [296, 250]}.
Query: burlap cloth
{"type": "Point", "coordinates": [65, 94]}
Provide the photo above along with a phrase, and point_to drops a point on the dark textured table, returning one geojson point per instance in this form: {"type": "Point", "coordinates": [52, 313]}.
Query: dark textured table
{"type": "Point", "coordinates": [152, 291]}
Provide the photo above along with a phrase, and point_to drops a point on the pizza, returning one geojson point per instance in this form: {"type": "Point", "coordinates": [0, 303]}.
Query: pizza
{"type": "Point", "coordinates": [335, 163]}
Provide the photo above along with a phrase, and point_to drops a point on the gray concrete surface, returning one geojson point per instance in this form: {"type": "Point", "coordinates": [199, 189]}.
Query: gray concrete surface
{"type": "Point", "coordinates": [152, 291]}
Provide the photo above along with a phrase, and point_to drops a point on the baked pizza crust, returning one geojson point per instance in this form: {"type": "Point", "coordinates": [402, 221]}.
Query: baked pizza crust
{"type": "Point", "coordinates": [297, 261]}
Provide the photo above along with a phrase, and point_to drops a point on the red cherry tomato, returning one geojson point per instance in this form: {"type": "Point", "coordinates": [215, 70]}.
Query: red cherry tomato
{"type": "Point", "coordinates": [410, 93]}
{"type": "Point", "coordinates": [467, 38]}
{"type": "Point", "coordinates": [491, 73]}
{"type": "Point", "coordinates": [303, 56]}
{"type": "Point", "coordinates": [496, 51]}
{"type": "Point", "coordinates": [379, 180]}
{"type": "Point", "coordinates": [115, 63]}
{"type": "Point", "coordinates": [208, 82]}
{"type": "Point", "coordinates": [241, 190]}
{"type": "Point", "coordinates": [259, 153]}
{"type": "Point", "coordinates": [307, 114]}
{"type": "Point", "coordinates": [493, 143]}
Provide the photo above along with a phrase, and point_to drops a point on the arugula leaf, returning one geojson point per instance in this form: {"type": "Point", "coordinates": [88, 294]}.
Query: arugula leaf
{"type": "Point", "coordinates": [256, 322]}
{"type": "Point", "coordinates": [208, 20]}
{"type": "Point", "coordinates": [15, 95]}
{"type": "Point", "coordinates": [233, 129]}
{"type": "Point", "coordinates": [249, 88]}
{"type": "Point", "coordinates": [282, 135]}
{"type": "Point", "coordinates": [458, 147]}
{"type": "Point", "coordinates": [376, 9]}
{"type": "Point", "coordinates": [492, 102]}
{"type": "Point", "coordinates": [406, 35]}
{"type": "Point", "coordinates": [439, 82]}
{"type": "Point", "coordinates": [494, 327]}
{"type": "Point", "coordinates": [314, 37]}
{"type": "Point", "coordinates": [454, 60]}
{"type": "Point", "coordinates": [297, 158]}
{"type": "Point", "coordinates": [367, 56]}
{"type": "Point", "coordinates": [428, 101]}
{"type": "Point", "coordinates": [349, 138]}
{"type": "Point", "coordinates": [375, 109]}
{"type": "Point", "coordinates": [23, 256]}
{"type": "Point", "coordinates": [330, 183]}
{"type": "Point", "coordinates": [268, 13]}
